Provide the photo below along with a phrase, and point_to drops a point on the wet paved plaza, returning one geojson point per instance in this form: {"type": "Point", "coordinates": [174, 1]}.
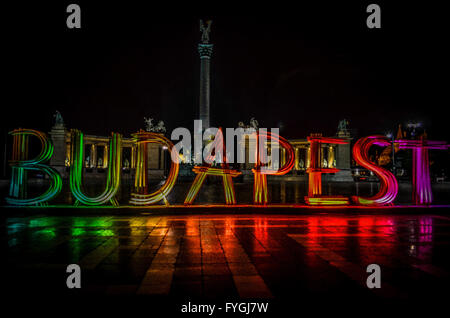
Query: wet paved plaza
{"type": "Point", "coordinates": [319, 257]}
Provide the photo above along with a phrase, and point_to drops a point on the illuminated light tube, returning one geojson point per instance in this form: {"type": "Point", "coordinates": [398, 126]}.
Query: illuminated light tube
{"type": "Point", "coordinates": [315, 172]}
{"type": "Point", "coordinates": [203, 171]}
{"type": "Point", "coordinates": [388, 183]}
{"type": "Point", "coordinates": [113, 175]}
{"type": "Point", "coordinates": [141, 197]}
{"type": "Point", "coordinates": [260, 193]}
{"type": "Point", "coordinates": [327, 200]}
{"type": "Point", "coordinates": [20, 164]}
{"type": "Point", "coordinates": [422, 193]}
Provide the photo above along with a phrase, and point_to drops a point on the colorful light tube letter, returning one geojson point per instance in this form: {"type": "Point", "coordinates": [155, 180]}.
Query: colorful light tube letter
{"type": "Point", "coordinates": [20, 164]}
{"type": "Point", "coordinates": [315, 171]}
{"type": "Point", "coordinates": [141, 197]}
{"type": "Point", "coordinates": [388, 182]}
{"type": "Point", "coordinates": [260, 193]}
{"type": "Point", "coordinates": [203, 171]}
{"type": "Point", "coordinates": [422, 193]}
{"type": "Point", "coordinates": [76, 170]}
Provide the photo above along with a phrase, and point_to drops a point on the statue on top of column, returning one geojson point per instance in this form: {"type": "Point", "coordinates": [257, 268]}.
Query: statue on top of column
{"type": "Point", "coordinates": [205, 31]}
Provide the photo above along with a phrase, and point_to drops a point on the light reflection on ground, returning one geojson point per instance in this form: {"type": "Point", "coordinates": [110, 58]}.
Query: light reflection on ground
{"type": "Point", "coordinates": [225, 255]}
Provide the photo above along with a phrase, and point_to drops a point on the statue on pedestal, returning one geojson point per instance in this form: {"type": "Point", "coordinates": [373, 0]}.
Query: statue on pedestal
{"type": "Point", "coordinates": [343, 125]}
{"type": "Point", "coordinates": [148, 124]}
{"type": "Point", "coordinates": [343, 130]}
{"type": "Point", "coordinates": [253, 124]}
{"type": "Point", "coordinates": [59, 122]}
{"type": "Point", "coordinates": [159, 128]}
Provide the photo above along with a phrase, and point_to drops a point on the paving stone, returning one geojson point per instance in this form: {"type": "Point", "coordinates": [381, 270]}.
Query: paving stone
{"type": "Point", "coordinates": [248, 256]}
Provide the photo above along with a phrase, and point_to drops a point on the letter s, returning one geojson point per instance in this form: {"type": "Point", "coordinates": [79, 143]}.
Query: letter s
{"type": "Point", "coordinates": [388, 182]}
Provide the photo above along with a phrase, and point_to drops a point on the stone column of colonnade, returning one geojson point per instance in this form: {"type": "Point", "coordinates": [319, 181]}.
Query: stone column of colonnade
{"type": "Point", "coordinates": [105, 156]}
{"type": "Point", "coordinates": [330, 157]}
{"type": "Point", "coordinates": [156, 157]}
{"type": "Point", "coordinates": [133, 157]}
{"type": "Point", "coordinates": [93, 157]}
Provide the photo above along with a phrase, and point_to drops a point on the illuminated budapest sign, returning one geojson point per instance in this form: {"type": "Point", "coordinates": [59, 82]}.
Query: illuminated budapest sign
{"type": "Point", "coordinates": [212, 158]}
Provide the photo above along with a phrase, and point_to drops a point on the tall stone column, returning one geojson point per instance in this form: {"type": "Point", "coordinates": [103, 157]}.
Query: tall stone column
{"type": "Point", "coordinates": [205, 51]}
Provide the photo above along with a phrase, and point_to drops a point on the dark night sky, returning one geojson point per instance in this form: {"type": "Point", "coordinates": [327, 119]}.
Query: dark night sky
{"type": "Point", "coordinates": [305, 67]}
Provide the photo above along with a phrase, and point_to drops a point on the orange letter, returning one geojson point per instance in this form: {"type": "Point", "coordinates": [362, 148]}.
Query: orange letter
{"type": "Point", "coordinates": [142, 139]}
{"type": "Point", "coordinates": [315, 171]}
{"type": "Point", "coordinates": [260, 181]}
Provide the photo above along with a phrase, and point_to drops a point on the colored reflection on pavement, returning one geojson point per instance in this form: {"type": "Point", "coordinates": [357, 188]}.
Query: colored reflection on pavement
{"type": "Point", "coordinates": [244, 256]}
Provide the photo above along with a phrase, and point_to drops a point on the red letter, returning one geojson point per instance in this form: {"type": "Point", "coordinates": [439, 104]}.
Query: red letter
{"type": "Point", "coordinates": [260, 181]}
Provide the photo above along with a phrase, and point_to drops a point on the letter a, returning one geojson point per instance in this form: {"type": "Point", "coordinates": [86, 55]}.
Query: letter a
{"type": "Point", "coordinates": [202, 171]}
{"type": "Point", "coordinates": [74, 279]}
{"type": "Point", "coordinates": [74, 19]}
{"type": "Point", "coordinates": [374, 279]}
{"type": "Point", "coordinates": [373, 20]}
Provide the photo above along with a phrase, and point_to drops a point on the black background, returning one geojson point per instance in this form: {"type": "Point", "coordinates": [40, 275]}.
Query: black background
{"type": "Point", "coordinates": [295, 66]}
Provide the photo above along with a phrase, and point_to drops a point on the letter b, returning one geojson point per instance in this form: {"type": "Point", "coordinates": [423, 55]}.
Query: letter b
{"type": "Point", "coordinates": [20, 164]}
